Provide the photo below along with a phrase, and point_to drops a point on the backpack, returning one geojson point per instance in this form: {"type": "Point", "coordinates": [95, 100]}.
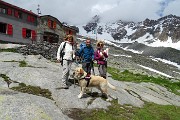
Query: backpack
{"type": "Point", "coordinates": [82, 45]}
{"type": "Point", "coordinates": [62, 53]}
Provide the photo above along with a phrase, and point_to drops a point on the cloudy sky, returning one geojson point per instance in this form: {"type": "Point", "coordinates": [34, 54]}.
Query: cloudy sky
{"type": "Point", "coordinates": [77, 12]}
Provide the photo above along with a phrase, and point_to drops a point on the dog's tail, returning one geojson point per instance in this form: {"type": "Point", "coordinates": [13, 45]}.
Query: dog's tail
{"type": "Point", "coordinates": [111, 86]}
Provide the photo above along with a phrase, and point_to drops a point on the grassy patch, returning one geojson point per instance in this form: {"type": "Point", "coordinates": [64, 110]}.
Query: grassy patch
{"type": "Point", "coordinates": [6, 79]}
{"type": "Point", "coordinates": [35, 90]}
{"type": "Point", "coordinates": [23, 64]}
{"type": "Point", "coordinates": [150, 111]}
{"type": "Point", "coordinates": [131, 77]}
{"type": "Point", "coordinates": [153, 111]}
{"type": "Point", "coordinates": [9, 50]}
{"type": "Point", "coordinates": [11, 61]}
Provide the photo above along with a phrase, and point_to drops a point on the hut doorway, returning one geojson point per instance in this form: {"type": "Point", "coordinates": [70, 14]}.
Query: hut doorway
{"type": "Point", "coordinates": [50, 37]}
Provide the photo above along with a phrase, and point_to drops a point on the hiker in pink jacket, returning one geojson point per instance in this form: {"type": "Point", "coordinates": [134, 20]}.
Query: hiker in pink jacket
{"type": "Point", "coordinates": [101, 56]}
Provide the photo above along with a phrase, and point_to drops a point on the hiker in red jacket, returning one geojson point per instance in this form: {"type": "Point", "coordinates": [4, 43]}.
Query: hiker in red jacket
{"type": "Point", "coordinates": [101, 56]}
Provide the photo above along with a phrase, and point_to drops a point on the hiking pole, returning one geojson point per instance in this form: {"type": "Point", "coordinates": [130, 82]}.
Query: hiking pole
{"type": "Point", "coordinates": [92, 67]}
{"type": "Point", "coordinates": [77, 64]}
{"type": "Point", "coordinates": [73, 76]}
{"type": "Point", "coordinates": [74, 83]}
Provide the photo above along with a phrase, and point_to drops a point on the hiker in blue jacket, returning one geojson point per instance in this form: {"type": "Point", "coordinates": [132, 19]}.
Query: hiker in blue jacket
{"type": "Point", "coordinates": [87, 54]}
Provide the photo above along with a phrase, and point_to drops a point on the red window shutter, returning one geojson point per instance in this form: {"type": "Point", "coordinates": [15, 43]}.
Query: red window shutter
{"type": "Point", "coordinates": [70, 32]}
{"type": "Point", "coordinates": [54, 24]}
{"type": "Point", "coordinates": [16, 14]}
{"type": "Point", "coordinates": [9, 11]}
{"type": "Point", "coordinates": [67, 32]}
{"type": "Point", "coordinates": [24, 32]}
{"type": "Point", "coordinates": [32, 19]}
{"type": "Point", "coordinates": [49, 23]}
{"type": "Point", "coordinates": [9, 29]}
{"type": "Point", "coordinates": [33, 33]}
{"type": "Point", "coordinates": [29, 18]}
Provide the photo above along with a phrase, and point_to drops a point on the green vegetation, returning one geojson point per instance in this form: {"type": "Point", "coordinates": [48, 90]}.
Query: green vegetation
{"type": "Point", "coordinates": [150, 111]}
{"type": "Point", "coordinates": [6, 79]}
{"type": "Point", "coordinates": [23, 64]}
{"type": "Point", "coordinates": [131, 77]}
{"type": "Point", "coordinates": [9, 50]}
{"type": "Point", "coordinates": [11, 61]}
{"type": "Point", "coordinates": [35, 90]}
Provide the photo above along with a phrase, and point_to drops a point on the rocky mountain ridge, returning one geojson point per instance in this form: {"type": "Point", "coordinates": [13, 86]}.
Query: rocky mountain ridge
{"type": "Point", "coordinates": [162, 29]}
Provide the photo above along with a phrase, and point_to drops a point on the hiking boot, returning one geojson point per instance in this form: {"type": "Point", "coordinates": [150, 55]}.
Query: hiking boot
{"type": "Point", "coordinates": [64, 87]}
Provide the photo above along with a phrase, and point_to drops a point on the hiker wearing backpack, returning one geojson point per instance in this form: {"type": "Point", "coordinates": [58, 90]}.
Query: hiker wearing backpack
{"type": "Point", "coordinates": [101, 56]}
{"type": "Point", "coordinates": [86, 53]}
{"type": "Point", "coordinates": [65, 56]}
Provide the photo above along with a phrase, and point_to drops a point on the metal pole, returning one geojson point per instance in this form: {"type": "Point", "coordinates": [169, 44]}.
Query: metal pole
{"type": "Point", "coordinates": [96, 33]}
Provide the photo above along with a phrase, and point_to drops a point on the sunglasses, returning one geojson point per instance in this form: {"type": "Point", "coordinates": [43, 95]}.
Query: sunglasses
{"type": "Point", "coordinates": [100, 44]}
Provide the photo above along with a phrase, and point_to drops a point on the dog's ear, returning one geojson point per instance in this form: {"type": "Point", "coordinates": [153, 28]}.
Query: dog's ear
{"type": "Point", "coordinates": [81, 71]}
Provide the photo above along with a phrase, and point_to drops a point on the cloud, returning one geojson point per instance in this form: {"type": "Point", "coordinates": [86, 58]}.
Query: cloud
{"type": "Point", "coordinates": [78, 12]}
{"type": "Point", "coordinates": [133, 10]}
{"type": "Point", "coordinates": [172, 8]}
{"type": "Point", "coordinates": [163, 5]}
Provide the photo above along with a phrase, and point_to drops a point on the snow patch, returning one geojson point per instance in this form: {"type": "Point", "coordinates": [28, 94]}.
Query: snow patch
{"type": "Point", "coordinates": [10, 45]}
{"type": "Point", "coordinates": [168, 62]}
{"type": "Point", "coordinates": [156, 71]}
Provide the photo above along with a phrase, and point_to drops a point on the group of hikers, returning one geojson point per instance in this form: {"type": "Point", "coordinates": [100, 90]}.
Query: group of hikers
{"type": "Point", "coordinates": [68, 53]}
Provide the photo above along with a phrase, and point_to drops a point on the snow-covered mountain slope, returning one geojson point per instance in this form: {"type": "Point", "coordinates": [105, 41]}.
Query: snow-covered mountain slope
{"type": "Point", "coordinates": [163, 32]}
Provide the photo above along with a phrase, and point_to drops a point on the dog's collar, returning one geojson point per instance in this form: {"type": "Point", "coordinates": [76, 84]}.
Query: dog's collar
{"type": "Point", "coordinates": [83, 76]}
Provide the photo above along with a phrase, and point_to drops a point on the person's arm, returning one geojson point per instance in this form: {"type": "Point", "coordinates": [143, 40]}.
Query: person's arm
{"type": "Point", "coordinates": [105, 54]}
{"type": "Point", "coordinates": [78, 53]}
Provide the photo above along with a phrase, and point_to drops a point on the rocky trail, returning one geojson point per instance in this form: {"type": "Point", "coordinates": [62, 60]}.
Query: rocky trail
{"type": "Point", "coordinates": [47, 75]}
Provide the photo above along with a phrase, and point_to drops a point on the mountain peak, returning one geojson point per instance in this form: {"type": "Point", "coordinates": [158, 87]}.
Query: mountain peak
{"type": "Point", "coordinates": [166, 28]}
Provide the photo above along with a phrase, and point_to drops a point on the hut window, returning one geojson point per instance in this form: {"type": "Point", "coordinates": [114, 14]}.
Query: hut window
{"type": "Point", "coordinates": [6, 28]}
{"type": "Point", "coordinates": [17, 14]}
{"type": "Point", "coordinates": [3, 10]}
{"type": "Point", "coordinates": [3, 27]}
{"type": "Point", "coordinates": [30, 18]}
{"type": "Point", "coordinates": [9, 29]}
{"type": "Point", "coordinates": [54, 24]}
{"type": "Point", "coordinates": [27, 33]}
{"type": "Point", "coordinates": [49, 23]}
{"type": "Point", "coordinates": [9, 11]}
